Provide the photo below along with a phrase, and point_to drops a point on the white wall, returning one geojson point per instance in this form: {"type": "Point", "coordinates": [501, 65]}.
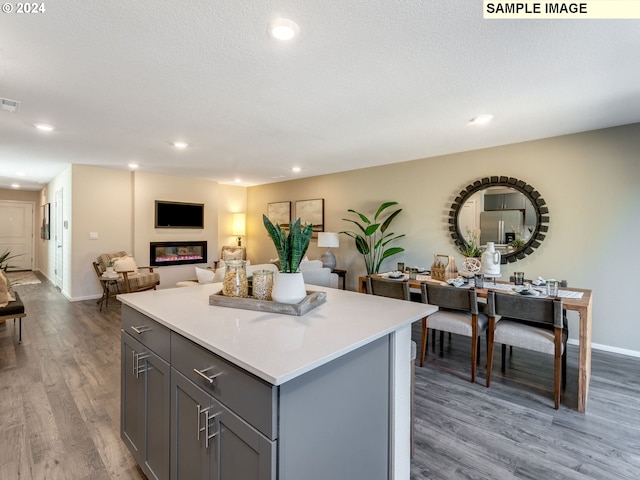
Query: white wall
{"type": "Point", "coordinates": [589, 181]}
{"type": "Point", "coordinates": [47, 263]}
{"type": "Point", "coordinates": [218, 201]}
{"type": "Point", "coordinates": [101, 203]}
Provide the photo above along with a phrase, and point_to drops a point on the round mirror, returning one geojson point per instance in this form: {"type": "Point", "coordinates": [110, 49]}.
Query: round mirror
{"type": "Point", "coordinates": [502, 210]}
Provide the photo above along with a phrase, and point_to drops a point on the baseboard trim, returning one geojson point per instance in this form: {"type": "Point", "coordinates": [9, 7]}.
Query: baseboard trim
{"type": "Point", "coordinates": [608, 348]}
{"type": "Point", "coordinates": [82, 299]}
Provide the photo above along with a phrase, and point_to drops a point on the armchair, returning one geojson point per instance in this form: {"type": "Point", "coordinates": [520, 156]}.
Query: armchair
{"type": "Point", "coordinates": [130, 278]}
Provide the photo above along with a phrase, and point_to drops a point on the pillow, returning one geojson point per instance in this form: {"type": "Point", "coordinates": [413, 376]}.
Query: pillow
{"type": "Point", "coordinates": [125, 264]}
{"type": "Point", "coordinates": [235, 255]}
{"type": "Point", "coordinates": [205, 275]}
{"type": "Point", "coordinates": [3, 279]}
{"type": "Point", "coordinates": [219, 275]}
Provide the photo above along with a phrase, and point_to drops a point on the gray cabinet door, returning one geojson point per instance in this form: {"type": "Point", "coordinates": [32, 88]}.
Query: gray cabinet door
{"type": "Point", "coordinates": [145, 407]}
{"type": "Point", "coordinates": [191, 456]}
{"type": "Point", "coordinates": [243, 453]}
{"type": "Point", "coordinates": [132, 398]}
{"type": "Point", "coordinates": [234, 450]}
{"type": "Point", "coordinates": [158, 391]}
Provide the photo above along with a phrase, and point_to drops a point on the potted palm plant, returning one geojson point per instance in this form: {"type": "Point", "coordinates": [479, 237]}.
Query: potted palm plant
{"type": "Point", "coordinates": [373, 238]}
{"type": "Point", "coordinates": [288, 284]}
{"type": "Point", "coordinates": [5, 258]}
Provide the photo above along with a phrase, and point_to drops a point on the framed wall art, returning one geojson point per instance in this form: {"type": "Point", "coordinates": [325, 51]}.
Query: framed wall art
{"type": "Point", "coordinates": [45, 229]}
{"type": "Point", "coordinates": [279, 213]}
{"type": "Point", "coordinates": [311, 211]}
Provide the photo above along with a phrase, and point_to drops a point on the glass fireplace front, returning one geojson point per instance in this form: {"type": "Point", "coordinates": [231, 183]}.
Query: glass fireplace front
{"type": "Point", "coordinates": [177, 253]}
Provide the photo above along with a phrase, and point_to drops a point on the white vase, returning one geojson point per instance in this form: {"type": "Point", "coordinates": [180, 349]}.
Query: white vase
{"type": "Point", "coordinates": [288, 288]}
{"type": "Point", "coordinates": [491, 260]}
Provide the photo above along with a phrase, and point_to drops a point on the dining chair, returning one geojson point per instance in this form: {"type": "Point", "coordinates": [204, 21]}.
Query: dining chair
{"type": "Point", "coordinates": [531, 323]}
{"type": "Point", "coordinates": [400, 290]}
{"type": "Point", "coordinates": [457, 313]}
{"type": "Point", "coordinates": [561, 284]}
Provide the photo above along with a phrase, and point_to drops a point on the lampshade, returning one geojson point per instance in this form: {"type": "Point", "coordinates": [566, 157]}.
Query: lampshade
{"type": "Point", "coordinates": [328, 239]}
{"type": "Point", "coordinates": [238, 226]}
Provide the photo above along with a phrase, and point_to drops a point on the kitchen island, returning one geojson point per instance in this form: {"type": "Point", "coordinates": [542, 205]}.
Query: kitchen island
{"type": "Point", "coordinates": [224, 393]}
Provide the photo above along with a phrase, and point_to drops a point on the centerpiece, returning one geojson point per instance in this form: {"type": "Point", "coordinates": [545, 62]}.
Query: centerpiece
{"type": "Point", "coordinates": [288, 284]}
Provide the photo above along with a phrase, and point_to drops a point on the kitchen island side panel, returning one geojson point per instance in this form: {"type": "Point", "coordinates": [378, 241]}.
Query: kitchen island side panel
{"type": "Point", "coordinates": [335, 420]}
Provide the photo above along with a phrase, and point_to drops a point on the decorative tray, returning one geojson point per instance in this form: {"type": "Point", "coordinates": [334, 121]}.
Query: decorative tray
{"type": "Point", "coordinates": [311, 301]}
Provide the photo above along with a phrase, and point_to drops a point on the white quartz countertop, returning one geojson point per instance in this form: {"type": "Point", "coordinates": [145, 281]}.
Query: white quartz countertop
{"type": "Point", "coordinates": [276, 347]}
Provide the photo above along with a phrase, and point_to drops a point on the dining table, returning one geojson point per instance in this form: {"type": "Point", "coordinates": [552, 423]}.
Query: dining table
{"type": "Point", "coordinates": [579, 300]}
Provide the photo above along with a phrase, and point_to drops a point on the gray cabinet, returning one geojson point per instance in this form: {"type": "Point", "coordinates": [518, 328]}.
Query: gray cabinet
{"type": "Point", "coordinates": [145, 397]}
{"type": "Point", "coordinates": [504, 201]}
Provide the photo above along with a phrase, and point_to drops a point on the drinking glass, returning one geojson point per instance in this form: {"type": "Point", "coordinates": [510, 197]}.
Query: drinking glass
{"type": "Point", "coordinates": [478, 280]}
{"type": "Point", "coordinates": [552, 288]}
{"type": "Point", "coordinates": [519, 278]}
{"type": "Point", "coordinates": [401, 266]}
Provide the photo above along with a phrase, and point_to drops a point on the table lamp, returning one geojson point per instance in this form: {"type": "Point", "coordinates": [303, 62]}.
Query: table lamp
{"type": "Point", "coordinates": [238, 226]}
{"type": "Point", "coordinates": [328, 239]}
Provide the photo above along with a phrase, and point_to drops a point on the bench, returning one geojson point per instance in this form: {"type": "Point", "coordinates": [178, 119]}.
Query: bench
{"type": "Point", "coordinates": [14, 310]}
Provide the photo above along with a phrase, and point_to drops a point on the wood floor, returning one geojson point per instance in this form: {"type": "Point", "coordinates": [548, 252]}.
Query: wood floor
{"type": "Point", "coordinates": [60, 406]}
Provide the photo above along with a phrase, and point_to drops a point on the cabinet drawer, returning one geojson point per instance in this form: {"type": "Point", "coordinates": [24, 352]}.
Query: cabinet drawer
{"type": "Point", "coordinates": [249, 397]}
{"type": "Point", "coordinates": [150, 333]}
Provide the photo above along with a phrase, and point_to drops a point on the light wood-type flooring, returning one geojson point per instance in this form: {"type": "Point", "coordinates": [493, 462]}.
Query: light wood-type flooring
{"type": "Point", "coordinates": [60, 406]}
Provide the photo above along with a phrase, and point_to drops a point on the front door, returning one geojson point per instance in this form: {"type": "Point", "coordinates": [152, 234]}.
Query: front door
{"type": "Point", "coordinates": [16, 233]}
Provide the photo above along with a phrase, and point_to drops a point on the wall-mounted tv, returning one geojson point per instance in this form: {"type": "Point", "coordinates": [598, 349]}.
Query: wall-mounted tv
{"type": "Point", "coordinates": [179, 215]}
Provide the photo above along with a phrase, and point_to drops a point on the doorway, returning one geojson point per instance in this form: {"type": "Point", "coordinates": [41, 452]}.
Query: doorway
{"type": "Point", "coordinates": [58, 238]}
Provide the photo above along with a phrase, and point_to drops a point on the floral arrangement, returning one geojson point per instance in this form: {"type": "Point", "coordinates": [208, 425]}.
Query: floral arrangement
{"type": "Point", "coordinates": [472, 247]}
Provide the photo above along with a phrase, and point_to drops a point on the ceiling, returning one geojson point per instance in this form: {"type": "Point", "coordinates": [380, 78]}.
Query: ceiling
{"type": "Point", "coordinates": [363, 84]}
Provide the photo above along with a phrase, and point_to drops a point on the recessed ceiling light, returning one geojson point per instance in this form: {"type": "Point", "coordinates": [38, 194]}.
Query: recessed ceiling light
{"type": "Point", "coordinates": [180, 144]}
{"type": "Point", "coordinates": [283, 29]}
{"type": "Point", "coordinates": [15, 185]}
{"type": "Point", "coordinates": [238, 180]}
{"type": "Point", "coordinates": [133, 165]}
{"type": "Point", "coordinates": [44, 127]}
{"type": "Point", "coordinates": [480, 120]}
{"type": "Point", "coordinates": [295, 169]}
{"type": "Point", "coordinates": [20, 174]}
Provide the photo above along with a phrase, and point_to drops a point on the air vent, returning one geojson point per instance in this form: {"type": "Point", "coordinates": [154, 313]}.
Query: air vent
{"type": "Point", "coordinates": [9, 105]}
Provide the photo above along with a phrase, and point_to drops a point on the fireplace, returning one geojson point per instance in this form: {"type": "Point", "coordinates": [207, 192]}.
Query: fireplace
{"type": "Point", "coordinates": [177, 253]}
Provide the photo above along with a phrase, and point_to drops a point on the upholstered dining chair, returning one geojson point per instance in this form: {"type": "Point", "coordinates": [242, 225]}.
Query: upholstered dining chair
{"type": "Point", "coordinates": [398, 289]}
{"type": "Point", "coordinates": [458, 313]}
{"type": "Point", "coordinates": [531, 323]}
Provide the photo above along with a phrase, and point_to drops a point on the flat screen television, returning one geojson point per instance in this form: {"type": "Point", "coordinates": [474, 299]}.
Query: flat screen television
{"type": "Point", "coordinates": [179, 215]}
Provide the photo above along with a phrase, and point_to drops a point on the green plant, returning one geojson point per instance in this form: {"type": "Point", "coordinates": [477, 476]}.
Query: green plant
{"type": "Point", "coordinates": [372, 241]}
{"type": "Point", "coordinates": [516, 244]}
{"type": "Point", "coordinates": [472, 247]}
{"type": "Point", "coordinates": [4, 260]}
{"type": "Point", "coordinates": [291, 247]}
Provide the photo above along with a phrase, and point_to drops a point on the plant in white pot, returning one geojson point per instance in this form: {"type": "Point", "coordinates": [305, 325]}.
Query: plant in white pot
{"type": "Point", "coordinates": [288, 284]}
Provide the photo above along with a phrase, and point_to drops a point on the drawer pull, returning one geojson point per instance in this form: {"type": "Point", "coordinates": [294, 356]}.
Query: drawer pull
{"type": "Point", "coordinates": [208, 378]}
{"type": "Point", "coordinates": [141, 329]}
{"type": "Point", "coordinates": [137, 369]}
{"type": "Point", "coordinates": [207, 424]}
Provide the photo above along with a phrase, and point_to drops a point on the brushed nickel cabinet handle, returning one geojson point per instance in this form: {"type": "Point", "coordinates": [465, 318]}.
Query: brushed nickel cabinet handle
{"type": "Point", "coordinates": [141, 329]}
{"type": "Point", "coordinates": [207, 425]}
{"type": "Point", "coordinates": [208, 378]}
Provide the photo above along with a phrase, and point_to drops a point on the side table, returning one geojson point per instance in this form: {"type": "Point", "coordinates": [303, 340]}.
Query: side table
{"type": "Point", "coordinates": [341, 274]}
